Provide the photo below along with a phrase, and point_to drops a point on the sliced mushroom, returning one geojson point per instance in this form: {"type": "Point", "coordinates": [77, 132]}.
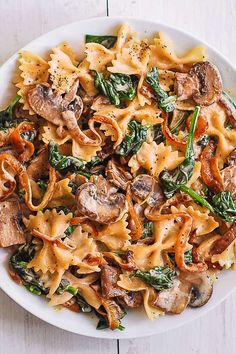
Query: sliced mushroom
{"type": "Point", "coordinates": [109, 278]}
{"type": "Point", "coordinates": [175, 299]}
{"type": "Point", "coordinates": [203, 84]}
{"type": "Point", "coordinates": [50, 105]}
{"type": "Point", "coordinates": [146, 188]}
{"type": "Point", "coordinates": [131, 299]}
{"type": "Point", "coordinates": [229, 179]}
{"type": "Point", "coordinates": [185, 86]}
{"type": "Point", "coordinates": [114, 312]}
{"type": "Point", "coordinates": [201, 288]}
{"type": "Point", "coordinates": [99, 201]}
{"type": "Point", "coordinates": [117, 174]}
{"type": "Point", "coordinates": [222, 243]}
{"type": "Point", "coordinates": [189, 289]}
{"type": "Point", "coordinates": [10, 231]}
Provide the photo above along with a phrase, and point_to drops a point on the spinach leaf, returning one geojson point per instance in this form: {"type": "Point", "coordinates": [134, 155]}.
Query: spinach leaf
{"type": "Point", "coordinates": [147, 229]}
{"type": "Point", "coordinates": [61, 162]}
{"type": "Point", "coordinates": [172, 180]}
{"type": "Point", "coordinates": [63, 208]}
{"type": "Point", "coordinates": [65, 286]}
{"type": "Point", "coordinates": [42, 185]}
{"type": "Point", "coordinates": [117, 87]}
{"type": "Point", "coordinates": [222, 204]}
{"type": "Point", "coordinates": [187, 257]}
{"type": "Point", "coordinates": [73, 186]}
{"type": "Point", "coordinates": [159, 278]}
{"type": "Point", "coordinates": [176, 128]}
{"type": "Point", "coordinates": [158, 136]}
{"type": "Point", "coordinates": [6, 116]}
{"type": "Point", "coordinates": [124, 85]}
{"type": "Point", "coordinates": [133, 141]}
{"type": "Point", "coordinates": [165, 102]}
{"type": "Point", "coordinates": [19, 262]}
{"type": "Point", "coordinates": [106, 41]}
{"type": "Point", "coordinates": [103, 323]}
{"type": "Point", "coordinates": [69, 230]}
{"type": "Point", "coordinates": [95, 160]}
{"type": "Point", "coordinates": [84, 306]}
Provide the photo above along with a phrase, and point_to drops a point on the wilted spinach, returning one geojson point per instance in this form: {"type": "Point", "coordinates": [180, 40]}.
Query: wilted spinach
{"type": "Point", "coordinates": [188, 258]}
{"type": "Point", "coordinates": [29, 135]}
{"type": "Point", "coordinates": [172, 180]}
{"type": "Point", "coordinates": [19, 262]}
{"type": "Point", "coordinates": [165, 102]}
{"type": "Point", "coordinates": [42, 185]}
{"type": "Point", "coordinates": [61, 162]}
{"type": "Point", "coordinates": [159, 278]}
{"type": "Point", "coordinates": [6, 116]}
{"type": "Point", "coordinates": [84, 306]}
{"type": "Point", "coordinates": [69, 230]}
{"type": "Point", "coordinates": [147, 229]}
{"type": "Point", "coordinates": [117, 88]}
{"type": "Point", "coordinates": [106, 41]}
{"type": "Point", "coordinates": [133, 141]}
{"type": "Point", "coordinates": [65, 286]}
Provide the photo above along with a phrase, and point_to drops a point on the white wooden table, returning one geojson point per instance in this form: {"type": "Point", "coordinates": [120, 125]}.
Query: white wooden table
{"type": "Point", "coordinates": [213, 21]}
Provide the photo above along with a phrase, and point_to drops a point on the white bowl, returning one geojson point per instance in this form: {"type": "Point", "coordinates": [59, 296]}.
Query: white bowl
{"type": "Point", "coordinates": [136, 323]}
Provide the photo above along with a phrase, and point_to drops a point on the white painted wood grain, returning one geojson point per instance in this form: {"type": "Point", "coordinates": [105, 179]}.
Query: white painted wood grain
{"type": "Point", "coordinates": [213, 21]}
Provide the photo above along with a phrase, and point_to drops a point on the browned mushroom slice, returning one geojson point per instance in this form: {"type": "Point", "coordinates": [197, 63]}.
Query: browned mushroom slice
{"type": "Point", "coordinates": [203, 84]}
{"type": "Point", "coordinates": [10, 231]}
{"type": "Point", "coordinates": [222, 243]}
{"type": "Point", "coordinates": [231, 159]}
{"type": "Point", "coordinates": [175, 299]}
{"type": "Point", "coordinates": [99, 201]}
{"type": "Point", "coordinates": [114, 313]}
{"type": "Point", "coordinates": [131, 299]}
{"type": "Point", "coordinates": [117, 174]}
{"type": "Point", "coordinates": [201, 288]}
{"type": "Point", "coordinates": [185, 86]}
{"type": "Point", "coordinates": [210, 83]}
{"type": "Point", "coordinates": [146, 188]}
{"type": "Point", "coordinates": [109, 278]}
{"type": "Point", "coordinates": [229, 178]}
{"type": "Point", "coordinates": [49, 105]}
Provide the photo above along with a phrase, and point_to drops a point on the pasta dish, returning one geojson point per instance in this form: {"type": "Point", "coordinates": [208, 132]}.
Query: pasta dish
{"type": "Point", "coordinates": [118, 177]}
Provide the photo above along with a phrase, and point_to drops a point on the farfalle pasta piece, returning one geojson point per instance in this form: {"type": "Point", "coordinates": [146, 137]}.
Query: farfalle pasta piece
{"type": "Point", "coordinates": [49, 133]}
{"type": "Point", "coordinates": [62, 194]}
{"type": "Point", "coordinates": [86, 78]}
{"type": "Point", "coordinates": [164, 57]}
{"type": "Point", "coordinates": [98, 56]}
{"type": "Point", "coordinates": [202, 222]}
{"type": "Point", "coordinates": [34, 70]}
{"type": "Point", "coordinates": [155, 158]}
{"type": "Point", "coordinates": [63, 73]}
{"type": "Point", "coordinates": [130, 283]}
{"type": "Point", "coordinates": [50, 223]}
{"type": "Point", "coordinates": [115, 236]}
{"type": "Point", "coordinates": [216, 117]}
{"type": "Point", "coordinates": [66, 48]}
{"type": "Point", "coordinates": [226, 259]}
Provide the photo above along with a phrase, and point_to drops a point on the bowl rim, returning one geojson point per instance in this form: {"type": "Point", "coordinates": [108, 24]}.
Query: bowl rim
{"type": "Point", "coordinates": [122, 19]}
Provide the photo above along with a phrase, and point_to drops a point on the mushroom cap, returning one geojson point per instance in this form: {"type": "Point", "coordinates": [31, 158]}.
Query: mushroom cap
{"type": "Point", "coordinates": [49, 105]}
{"type": "Point", "coordinates": [146, 188]}
{"type": "Point", "coordinates": [117, 174]}
{"type": "Point", "coordinates": [210, 83]}
{"type": "Point", "coordinates": [202, 288]}
{"type": "Point", "coordinates": [100, 202]}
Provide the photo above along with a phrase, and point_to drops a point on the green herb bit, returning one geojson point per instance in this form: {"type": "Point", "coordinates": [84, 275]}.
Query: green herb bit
{"type": "Point", "coordinates": [106, 41]}
{"type": "Point", "coordinates": [69, 230]}
{"type": "Point", "coordinates": [172, 180]}
{"type": "Point", "coordinates": [147, 229]}
{"type": "Point", "coordinates": [33, 289]}
{"type": "Point", "coordinates": [159, 278]}
{"type": "Point", "coordinates": [63, 208]}
{"type": "Point", "coordinates": [165, 102]}
{"type": "Point", "coordinates": [61, 162]}
{"type": "Point", "coordinates": [134, 140]}
{"type": "Point", "coordinates": [188, 258]}
{"type": "Point", "coordinates": [42, 185]}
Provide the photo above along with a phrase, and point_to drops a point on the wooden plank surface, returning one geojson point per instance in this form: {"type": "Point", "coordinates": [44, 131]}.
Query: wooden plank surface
{"type": "Point", "coordinates": [213, 21]}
